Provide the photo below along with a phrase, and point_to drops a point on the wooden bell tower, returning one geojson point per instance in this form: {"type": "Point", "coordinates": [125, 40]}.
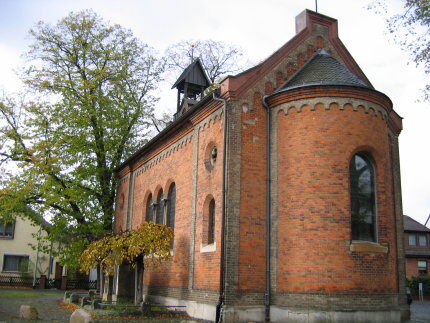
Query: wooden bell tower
{"type": "Point", "coordinates": [190, 84]}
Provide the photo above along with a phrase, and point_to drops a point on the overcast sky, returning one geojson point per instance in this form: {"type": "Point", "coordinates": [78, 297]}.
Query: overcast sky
{"type": "Point", "coordinates": [259, 28]}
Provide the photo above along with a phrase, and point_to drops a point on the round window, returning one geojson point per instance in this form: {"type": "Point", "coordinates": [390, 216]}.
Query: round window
{"type": "Point", "coordinates": [211, 155]}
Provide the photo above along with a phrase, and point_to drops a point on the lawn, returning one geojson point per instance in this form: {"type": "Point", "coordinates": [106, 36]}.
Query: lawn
{"type": "Point", "coordinates": [27, 293]}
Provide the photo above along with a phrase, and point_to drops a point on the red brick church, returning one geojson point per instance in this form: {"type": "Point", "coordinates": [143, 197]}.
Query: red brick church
{"type": "Point", "coordinates": [282, 188]}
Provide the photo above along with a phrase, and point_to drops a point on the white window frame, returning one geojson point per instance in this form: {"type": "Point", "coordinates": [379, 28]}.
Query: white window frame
{"type": "Point", "coordinates": [422, 268]}
{"type": "Point", "coordinates": [425, 240]}
{"type": "Point", "coordinates": [414, 236]}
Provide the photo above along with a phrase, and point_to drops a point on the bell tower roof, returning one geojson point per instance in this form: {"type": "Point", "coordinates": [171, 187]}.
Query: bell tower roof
{"type": "Point", "coordinates": [194, 75]}
{"type": "Point", "coordinates": [190, 84]}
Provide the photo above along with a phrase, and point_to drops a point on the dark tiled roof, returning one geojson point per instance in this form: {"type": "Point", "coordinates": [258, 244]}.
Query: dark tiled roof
{"type": "Point", "coordinates": [425, 253]}
{"type": "Point", "coordinates": [322, 69]}
{"type": "Point", "coordinates": [412, 225]}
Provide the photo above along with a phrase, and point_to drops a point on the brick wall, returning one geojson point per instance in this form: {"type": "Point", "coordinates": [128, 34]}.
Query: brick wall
{"type": "Point", "coordinates": [180, 159]}
{"type": "Point", "coordinates": [252, 251]}
{"type": "Point", "coordinates": [160, 175]}
{"type": "Point", "coordinates": [209, 185]}
{"type": "Point", "coordinates": [314, 221]}
{"type": "Point", "coordinates": [251, 271]}
{"type": "Point", "coordinates": [121, 203]}
{"type": "Point", "coordinates": [412, 267]}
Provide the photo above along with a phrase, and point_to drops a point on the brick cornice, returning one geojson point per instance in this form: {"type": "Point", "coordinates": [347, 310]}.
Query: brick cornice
{"type": "Point", "coordinates": [315, 91]}
{"type": "Point", "coordinates": [394, 121]}
{"type": "Point", "coordinates": [124, 171]}
{"type": "Point", "coordinates": [176, 143]}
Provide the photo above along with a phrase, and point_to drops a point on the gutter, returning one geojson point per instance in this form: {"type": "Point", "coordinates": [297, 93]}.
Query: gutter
{"type": "Point", "coordinates": [268, 210]}
{"type": "Point", "coordinates": [220, 303]}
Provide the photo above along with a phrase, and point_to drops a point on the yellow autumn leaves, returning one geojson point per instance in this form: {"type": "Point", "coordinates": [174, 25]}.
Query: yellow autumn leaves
{"type": "Point", "coordinates": [150, 241]}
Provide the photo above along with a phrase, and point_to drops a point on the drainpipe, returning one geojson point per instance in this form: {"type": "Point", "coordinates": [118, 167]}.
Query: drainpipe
{"type": "Point", "coordinates": [221, 278]}
{"type": "Point", "coordinates": [268, 210]}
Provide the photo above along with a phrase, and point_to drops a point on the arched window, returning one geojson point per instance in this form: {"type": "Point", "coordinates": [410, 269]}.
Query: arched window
{"type": "Point", "coordinates": [363, 200]}
{"type": "Point", "coordinates": [211, 222]}
{"type": "Point", "coordinates": [171, 200]}
{"type": "Point", "coordinates": [149, 211]}
{"type": "Point", "coordinates": [170, 209]}
{"type": "Point", "coordinates": [159, 216]}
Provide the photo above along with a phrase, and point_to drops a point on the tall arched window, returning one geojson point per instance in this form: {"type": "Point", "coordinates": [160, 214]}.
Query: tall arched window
{"type": "Point", "coordinates": [170, 209]}
{"type": "Point", "coordinates": [363, 200]}
{"type": "Point", "coordinates": [159, 216]}
{"type": "Point", "coordinates": [171, 200]}
{"type": "Point", "coordinates": [149, 211]}
{"type": "Point", "coordinates": [211, 222]}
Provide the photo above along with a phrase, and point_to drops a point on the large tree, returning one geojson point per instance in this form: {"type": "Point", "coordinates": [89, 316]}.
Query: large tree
{"type": "Point", "coordinates": [96, 80]}
{"type": "Point", "coordinates": [218, 58]}
{"type": "Point", "coordinates": [411, 30]}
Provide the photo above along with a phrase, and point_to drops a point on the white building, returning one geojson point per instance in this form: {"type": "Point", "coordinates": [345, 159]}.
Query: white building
{"type": "Point", "coordinates": [19, 251]}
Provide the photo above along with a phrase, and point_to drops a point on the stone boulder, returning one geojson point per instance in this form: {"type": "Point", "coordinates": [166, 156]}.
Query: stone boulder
{"type": "Point", "coordinates": [28, 312]}
{"type": "Point", "coordinates": [80, 316]}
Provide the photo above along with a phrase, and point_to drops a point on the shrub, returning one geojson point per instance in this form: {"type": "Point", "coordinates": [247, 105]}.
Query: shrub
{"type": "Point", "coordinates": [413, 283]}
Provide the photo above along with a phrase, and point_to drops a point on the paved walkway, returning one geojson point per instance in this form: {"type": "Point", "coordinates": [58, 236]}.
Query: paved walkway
{"type": "Point", "coordinates": [51, 309]}
{"type": "Point", "coordinates": [47, 303]}
{"type": "Point", "coordinates": [420, 312]}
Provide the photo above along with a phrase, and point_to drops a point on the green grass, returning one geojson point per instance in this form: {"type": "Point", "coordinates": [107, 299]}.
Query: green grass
{"type": "Point", "coordinates": [25, 293]}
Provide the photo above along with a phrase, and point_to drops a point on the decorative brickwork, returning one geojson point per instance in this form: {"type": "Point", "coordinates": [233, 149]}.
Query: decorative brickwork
{"type": "Point", "coordinates": [334, 103]}
{"type": "Point", "coordinates": [317, 272]}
